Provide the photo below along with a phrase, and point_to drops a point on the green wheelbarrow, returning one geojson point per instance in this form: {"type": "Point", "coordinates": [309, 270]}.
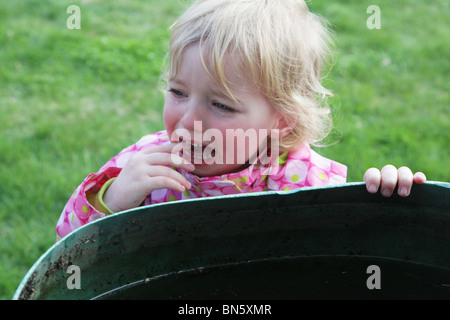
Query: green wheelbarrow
{"type": "Point", "coordinates": [314, 243]}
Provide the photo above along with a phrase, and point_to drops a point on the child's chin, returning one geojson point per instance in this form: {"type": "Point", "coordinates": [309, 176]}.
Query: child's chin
{"type": "Point", "coordinates": [206, 170]}
{"type": "Point", "coordinates": [213, 170]}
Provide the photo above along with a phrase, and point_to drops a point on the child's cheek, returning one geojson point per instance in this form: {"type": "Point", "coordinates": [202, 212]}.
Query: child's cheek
{"type": "Point", "coordinates": [237, 151]}
{"type": "Point", "coordinates": [169, 116]}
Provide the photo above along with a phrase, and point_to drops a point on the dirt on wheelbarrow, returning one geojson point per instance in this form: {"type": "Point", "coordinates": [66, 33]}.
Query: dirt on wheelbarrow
{"type": "Point", "coordinates": [29, 290]}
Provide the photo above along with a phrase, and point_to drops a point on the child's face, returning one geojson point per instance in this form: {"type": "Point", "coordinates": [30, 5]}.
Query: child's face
{"type": "Point", "coordinates": [195, 107]}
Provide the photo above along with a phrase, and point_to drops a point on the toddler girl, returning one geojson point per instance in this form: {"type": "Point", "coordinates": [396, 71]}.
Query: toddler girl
{"type": "Point", "coordinates": [244, 102]}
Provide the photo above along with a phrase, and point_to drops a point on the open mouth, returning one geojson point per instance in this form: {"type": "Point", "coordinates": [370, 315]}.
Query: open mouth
{"type": "Point", "coordinates": [197, 152]}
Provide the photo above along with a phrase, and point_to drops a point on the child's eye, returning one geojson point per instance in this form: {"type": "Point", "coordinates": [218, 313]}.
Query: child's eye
{"type": "Point", "coordinates": [223, 107]}
{"type": "Point", "coordinates": [176, 92]}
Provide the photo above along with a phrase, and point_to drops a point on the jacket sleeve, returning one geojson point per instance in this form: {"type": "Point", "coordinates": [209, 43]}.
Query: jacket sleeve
{"type": "Point", "coordinates": [79, 210]}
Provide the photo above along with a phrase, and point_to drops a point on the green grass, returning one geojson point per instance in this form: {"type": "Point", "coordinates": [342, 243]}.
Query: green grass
{"type": "Point", "coordinates": [71, 99]}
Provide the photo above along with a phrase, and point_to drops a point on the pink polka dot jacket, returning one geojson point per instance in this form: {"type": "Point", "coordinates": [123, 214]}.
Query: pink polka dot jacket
{"type": "Point", "coordinates": [293, 170]}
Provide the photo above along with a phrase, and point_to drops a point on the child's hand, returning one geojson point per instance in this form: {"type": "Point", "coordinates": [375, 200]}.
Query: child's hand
{"type": "Point", "coordinates": [146, 171]}
{"type": "Point", "coordinates": [388, 178]}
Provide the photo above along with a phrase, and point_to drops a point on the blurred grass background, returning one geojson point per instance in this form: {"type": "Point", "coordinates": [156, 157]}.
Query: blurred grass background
{"type": "Point", "coordinates": [72, 99]}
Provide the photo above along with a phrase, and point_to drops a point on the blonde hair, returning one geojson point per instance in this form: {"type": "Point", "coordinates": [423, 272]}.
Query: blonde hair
{"type": "Point", "coordinates": [279, 45]}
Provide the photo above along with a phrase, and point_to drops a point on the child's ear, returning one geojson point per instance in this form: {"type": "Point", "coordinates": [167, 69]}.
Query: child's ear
{"type": "Point", "coordinates": [283, 126]}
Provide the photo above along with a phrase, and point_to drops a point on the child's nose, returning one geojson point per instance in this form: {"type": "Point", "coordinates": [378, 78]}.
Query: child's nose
{"type": "Point", "coordinates": [191, 116]}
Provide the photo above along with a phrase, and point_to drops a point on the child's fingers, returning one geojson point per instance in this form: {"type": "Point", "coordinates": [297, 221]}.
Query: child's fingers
{"type": "Point", "coordinates": [169, 159]}
{"type": "Point", "coordinates": [170, 147]}
{"type": "Point", "coordinates": [169, 175]}
{"type": "Point", "coordinates": [419, 178]}
{"type": "Point", "coordinates": [168, 154]}
{"type": "Point", "coordinates": [164, 182]}
{"type": "Point", "coordinates": [389, 178]}
{"type": "Point", "coordinates": [405, 181]}
{"type": "Point", "coordinates": [372, 177]}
